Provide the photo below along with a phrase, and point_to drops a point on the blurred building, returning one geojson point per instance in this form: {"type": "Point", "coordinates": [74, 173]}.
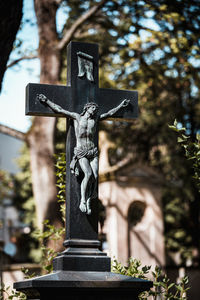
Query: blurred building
{"type": "Point", "coordinates": [133, 220]}
{"type": "Point", "coordinates": [9, 152]}
{"type": "Point", "coordinates": [134, 223]}
{"type": "Point", "coordinates": [12, 252]}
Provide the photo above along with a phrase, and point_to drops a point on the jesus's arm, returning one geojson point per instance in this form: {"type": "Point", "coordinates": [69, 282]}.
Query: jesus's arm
{"type": "Point", "coordinates": [111, 112]}
{"type": "Point", "coordinates": [55, 107]}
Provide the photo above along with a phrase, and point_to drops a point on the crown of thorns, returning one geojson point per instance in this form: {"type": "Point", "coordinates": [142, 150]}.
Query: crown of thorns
{"type": "Point", "coordinates": [87, 105]}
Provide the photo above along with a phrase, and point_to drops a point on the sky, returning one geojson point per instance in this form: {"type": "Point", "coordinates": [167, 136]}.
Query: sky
{"type": "Point", "coordinates": [12, 97]}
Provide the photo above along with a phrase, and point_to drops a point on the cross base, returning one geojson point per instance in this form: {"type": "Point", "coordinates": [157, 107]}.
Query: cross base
{"type": "Point", "coordinates": [83, 285]}
{"type": "Point", "coordinates": [82, 263]}
{"type": "Point", "coordinates": [82, 255]}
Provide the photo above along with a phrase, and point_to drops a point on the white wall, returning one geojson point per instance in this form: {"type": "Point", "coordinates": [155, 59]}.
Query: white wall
{"type": "Point", "coordinates": [9, 151]}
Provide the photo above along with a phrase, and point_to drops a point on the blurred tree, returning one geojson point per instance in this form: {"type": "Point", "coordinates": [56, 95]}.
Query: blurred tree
{"type": "Point", "coordinates": [5, 184]}
{"type": "Point", "coordinates": [162, 61]}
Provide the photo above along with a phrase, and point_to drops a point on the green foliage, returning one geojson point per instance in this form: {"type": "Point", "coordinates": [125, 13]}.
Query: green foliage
{"type": "Point", "coordinates": [61, 182]}
{"type": "Point", "coordinates": [186, 207]}
{"type": "Point", "coordinates": [133, 269]}
{"type": "Point", "coordinates": [43, 237]}
{"type": "Point", "coordinates": [18, 188]}
{"type": "Point", "coordinates": [51, 233]}
{"type": "Point", "coordinates": [6, 183]}
{"type": "Point", "coordinates": [10, 294]}
{"type": "Point", "coordinates": [191, 148]}
{"type": "Point", "coordinates": [179, 230]}
{"type": "Point", "coordinates": [162, 289]}
{"type": "Point", "coordinates": [24, 202]}
{"type": "Point", "coordinates": [161, 60]}
{"type": "Point", "coordinates": [23, 186]}
{"type": "Point", "coordinates": [27, 274]}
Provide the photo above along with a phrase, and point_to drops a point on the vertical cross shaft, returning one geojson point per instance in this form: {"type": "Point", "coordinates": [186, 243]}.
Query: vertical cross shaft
{"type": "Point", "coordinates": [80, 228]}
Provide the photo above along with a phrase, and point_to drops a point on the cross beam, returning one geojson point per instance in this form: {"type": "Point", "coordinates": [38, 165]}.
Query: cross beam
{"type": "Point", "coordinates": [61, 95]}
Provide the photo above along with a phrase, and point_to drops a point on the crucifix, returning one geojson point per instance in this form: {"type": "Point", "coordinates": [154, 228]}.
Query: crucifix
{"type": "Point", "coordinates": [84, 104]}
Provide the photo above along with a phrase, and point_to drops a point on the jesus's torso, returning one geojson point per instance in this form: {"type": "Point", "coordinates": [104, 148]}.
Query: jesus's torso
{"type": "Point", "coordinates": [85, 129]}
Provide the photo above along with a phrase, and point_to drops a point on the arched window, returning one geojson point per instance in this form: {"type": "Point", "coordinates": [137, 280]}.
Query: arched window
{"type": "Point", "coordinates": [136, 212]}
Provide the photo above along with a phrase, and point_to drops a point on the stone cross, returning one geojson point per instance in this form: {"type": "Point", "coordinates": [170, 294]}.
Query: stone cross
{"type": "Point", "coordinates": [84, 104]}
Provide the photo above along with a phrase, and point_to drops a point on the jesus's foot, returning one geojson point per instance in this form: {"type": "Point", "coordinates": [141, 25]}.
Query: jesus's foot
{"type": "Point", "coordinates": [83, 206]}
{"type": "Point", "coordinates": [89, 211]}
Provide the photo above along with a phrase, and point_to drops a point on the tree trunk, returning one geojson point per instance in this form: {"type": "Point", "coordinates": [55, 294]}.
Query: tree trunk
{"type": "Point", "coordinates": [41, 135]}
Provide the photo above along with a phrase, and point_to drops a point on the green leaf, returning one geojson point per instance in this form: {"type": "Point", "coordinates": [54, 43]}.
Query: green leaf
{"type": "Point", "coordinates": [180, 140]}
{"type": "Point", "coordinates": [198, 136]}
{"type": "Point", "coordinates": [178, 287]}
{"type": "Point", "coordinates": [171, 285]}
{"type": "Point", "coordinates": [173, 128]}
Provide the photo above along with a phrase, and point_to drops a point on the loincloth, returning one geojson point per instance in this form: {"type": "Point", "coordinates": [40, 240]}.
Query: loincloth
{"type": "Point", "coordinates": [80, 153]}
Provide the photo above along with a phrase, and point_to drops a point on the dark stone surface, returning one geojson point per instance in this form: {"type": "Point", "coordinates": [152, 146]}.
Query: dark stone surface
{"type": "Point", "coordinates": [109, 98]}
{"type": "Point", "coordinates": [59, 94]}
{"type": "Point", "coordinates": [83, 285]}
{"type": "Point", "coordinates": [82, 90]}
{"type": "Point", "coordinates": [82, 263]}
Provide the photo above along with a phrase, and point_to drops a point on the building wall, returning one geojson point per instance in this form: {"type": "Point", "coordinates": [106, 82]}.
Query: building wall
{"type": "Point", "coordinates": [9, 151]}
{"type": "Point", "coordinates": [142, 237]}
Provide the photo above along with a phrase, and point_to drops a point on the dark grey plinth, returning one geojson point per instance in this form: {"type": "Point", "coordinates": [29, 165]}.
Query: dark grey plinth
{"type": "Point", "coordinates": [83, 285]}
{"type": "Point", "coordinates": [81, 263]}
{"type": "Point", "coordinates": [82, 255]}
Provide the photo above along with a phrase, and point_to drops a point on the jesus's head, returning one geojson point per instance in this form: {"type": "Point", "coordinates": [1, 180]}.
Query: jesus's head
{"type": "Point", "coordinates": [90, 107]}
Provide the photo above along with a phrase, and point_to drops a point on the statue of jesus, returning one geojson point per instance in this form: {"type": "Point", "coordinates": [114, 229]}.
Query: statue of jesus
{"type": "Point", "coordinates": [85, 152]}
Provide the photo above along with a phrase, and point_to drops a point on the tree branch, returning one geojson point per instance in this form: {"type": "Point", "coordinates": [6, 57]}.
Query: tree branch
{"type": "Point", "coordinates": [12, 132]}
{"type": "Point", "coordinates": [67, 37]}
{"type": "Point", "coordinates": [110, 172]}
{"type": "Point", "coordinates": [14, 62]}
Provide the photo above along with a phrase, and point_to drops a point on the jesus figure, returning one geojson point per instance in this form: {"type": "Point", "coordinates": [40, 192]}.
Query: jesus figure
{"type": "Point", "coordinates": [85, 152]}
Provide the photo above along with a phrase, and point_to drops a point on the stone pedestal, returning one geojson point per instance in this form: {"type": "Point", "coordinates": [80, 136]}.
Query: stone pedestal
{"type": "Point", "coordinates": [83, 285]}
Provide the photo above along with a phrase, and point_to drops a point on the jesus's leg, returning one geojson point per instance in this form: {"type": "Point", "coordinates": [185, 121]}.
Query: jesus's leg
{"type": "Point", "coordinates": [95, 165]}
{"type": "Point", "coordinates": [86, 168]}
{"type": "Point", "coordinates": [94, 194]}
